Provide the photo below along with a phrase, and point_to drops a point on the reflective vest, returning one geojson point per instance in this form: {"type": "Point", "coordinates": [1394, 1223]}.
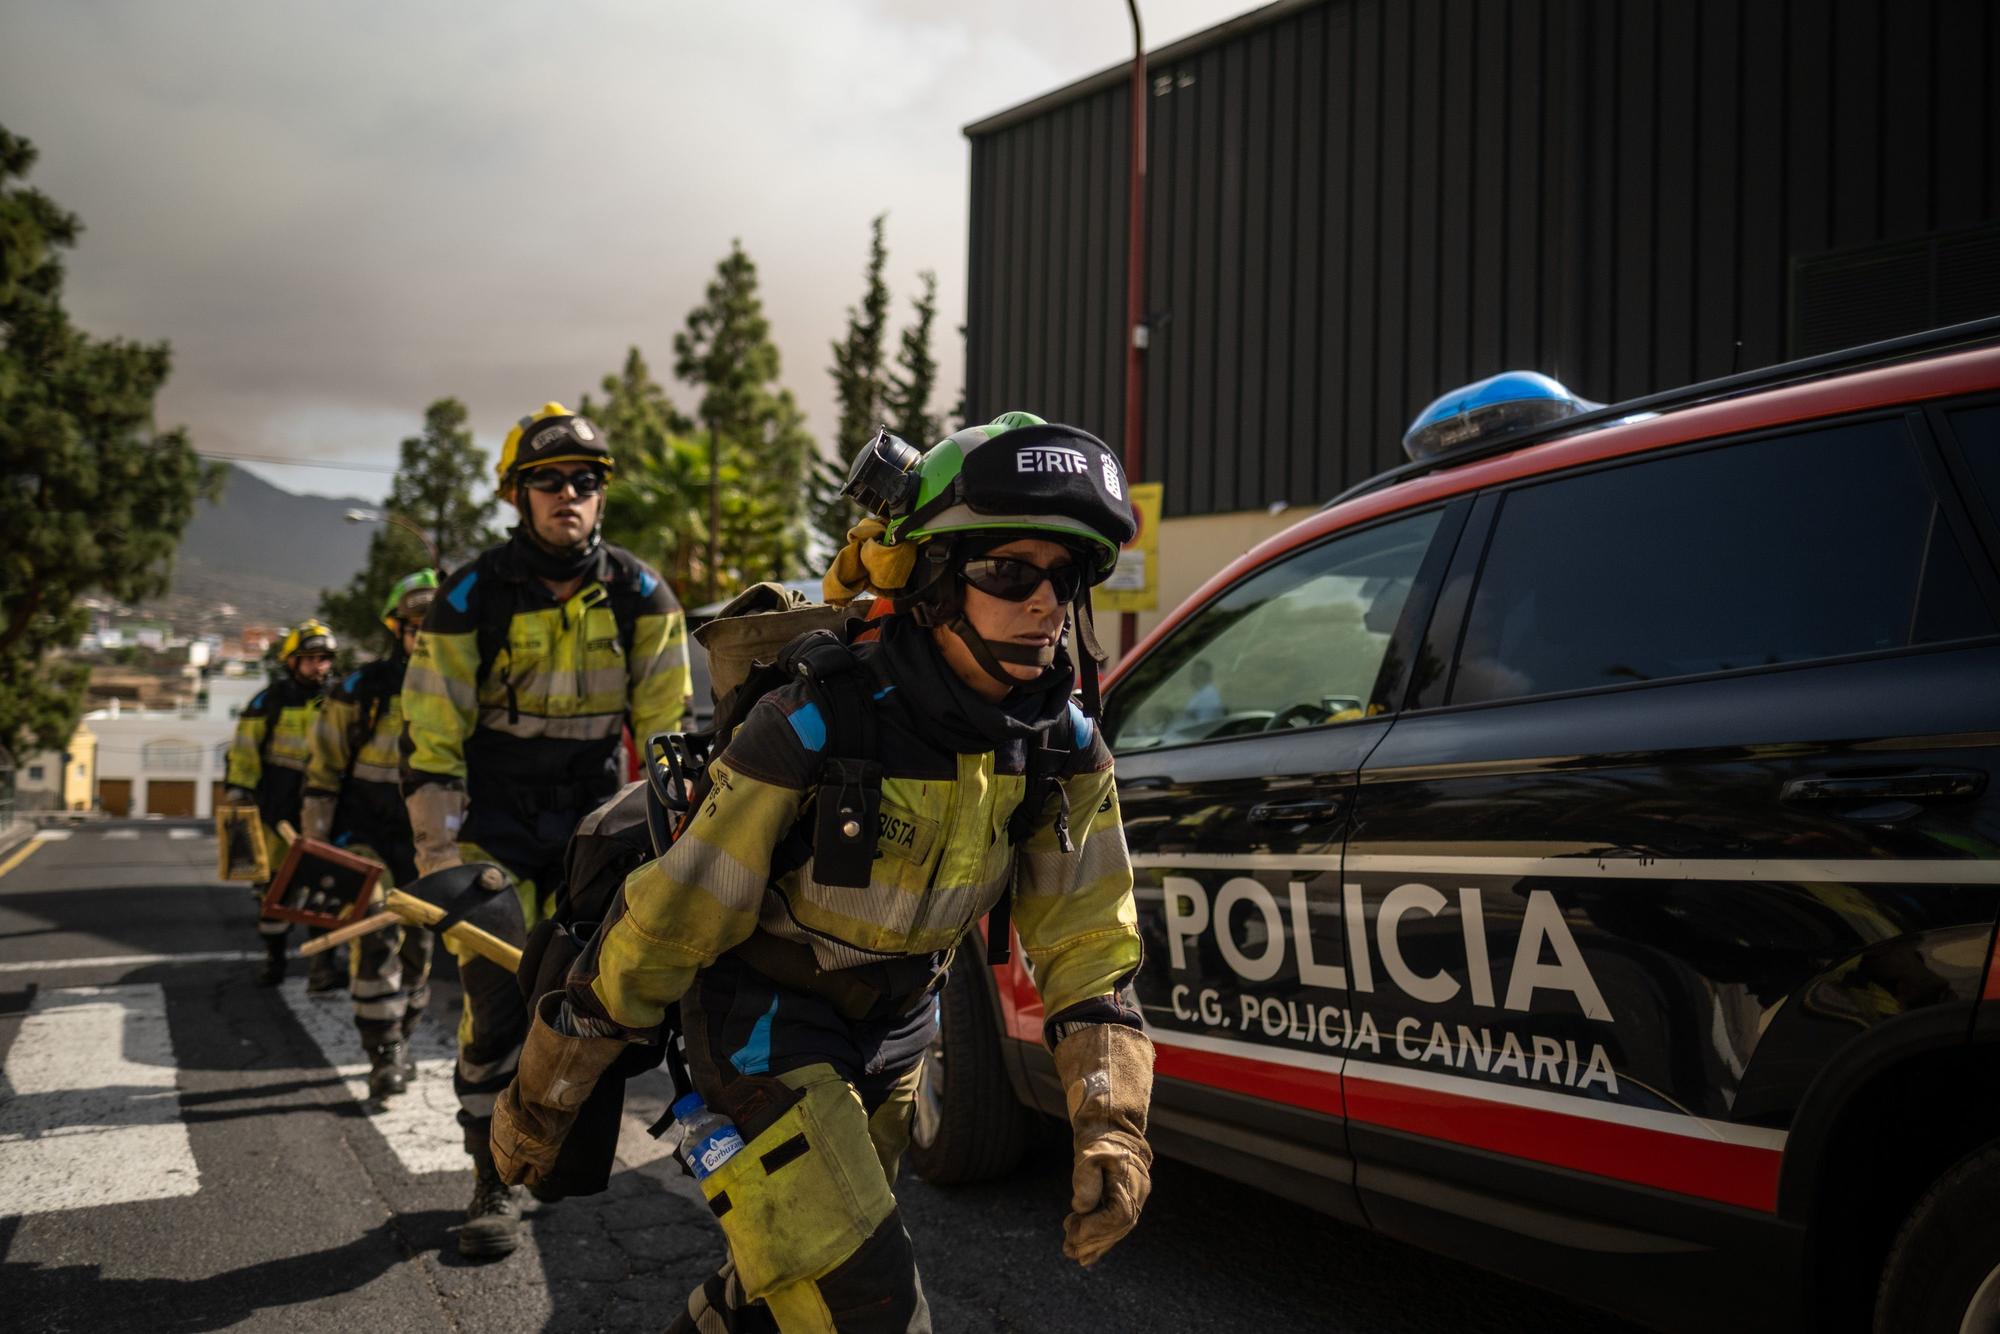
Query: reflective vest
{"type": "Point", "coordinates": [268, 754]}
{"type": "Point", "coordinates": [524, 698]}
{"type": "Point", "coordinates": [355, 754]}
{"type": "Point", "coordinates": [943, 858]}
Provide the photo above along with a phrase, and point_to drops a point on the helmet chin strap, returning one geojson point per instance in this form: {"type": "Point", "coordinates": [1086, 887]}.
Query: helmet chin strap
{"type": "Point", "coordinates": [990, 656]}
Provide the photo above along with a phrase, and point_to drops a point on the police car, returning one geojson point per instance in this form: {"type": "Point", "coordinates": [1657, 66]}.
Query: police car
{"type": "Point", "coordinates": [1577, 851]}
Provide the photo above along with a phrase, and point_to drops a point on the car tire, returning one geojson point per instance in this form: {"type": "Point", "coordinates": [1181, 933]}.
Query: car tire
{"type": "Point", "coordinates": [1943, 1274]}
{"type": "Point", "coordinates": [968, 1125]}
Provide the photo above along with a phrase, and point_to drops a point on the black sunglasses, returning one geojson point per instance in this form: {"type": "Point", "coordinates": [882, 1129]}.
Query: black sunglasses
{"type": "Point", "coordinates": [551, 481]}
{"type": "Point", "coordinates": [1013, 580]}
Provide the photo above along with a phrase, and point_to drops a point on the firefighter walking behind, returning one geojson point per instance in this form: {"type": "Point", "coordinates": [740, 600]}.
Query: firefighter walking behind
{"type": "Point", "coordinates": [267, 768]}
{"type": "Point", "coordinates": [805, 916]}
{"type": "Point", "coordinates": [535, 657]}
{"type": "Point", "coordinates": [354, 800]}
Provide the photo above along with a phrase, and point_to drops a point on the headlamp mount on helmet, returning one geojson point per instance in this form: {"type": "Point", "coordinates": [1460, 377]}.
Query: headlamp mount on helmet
{"type": "Point", "coordinates": [884, 480]}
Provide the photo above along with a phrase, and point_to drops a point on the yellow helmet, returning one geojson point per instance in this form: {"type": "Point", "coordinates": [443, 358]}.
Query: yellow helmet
{"type": "Point", "coordinates": [552, 435]}
{"type": "Point", "coordinates": [311, 637]}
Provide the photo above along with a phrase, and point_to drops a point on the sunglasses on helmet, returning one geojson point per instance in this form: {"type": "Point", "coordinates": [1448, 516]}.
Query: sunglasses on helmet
{"type": "Point", "coordinates": [551, 481]}
{"type": "Point", "coordinates": [1014, 580]}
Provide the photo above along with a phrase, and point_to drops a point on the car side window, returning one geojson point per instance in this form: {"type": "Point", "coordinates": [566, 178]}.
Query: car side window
{"type": "Point", "coordinates": [1299, 644]}
{"type": "Point", "coordinates": [1813, 545]}
{"type": "Point", "coordinates": [1978, 432]}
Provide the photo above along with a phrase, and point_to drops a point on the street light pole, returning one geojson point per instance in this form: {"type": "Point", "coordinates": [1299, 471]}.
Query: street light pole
{"type": "Point", "coordinates": [1135, 290]}
{"type": "Point", "coordinates": [385, 516]}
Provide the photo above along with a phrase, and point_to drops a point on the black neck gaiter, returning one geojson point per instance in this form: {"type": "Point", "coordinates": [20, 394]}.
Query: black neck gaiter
{"type": "Point", "coordinates": [960, 718]}
{"type": "Point", "coordinates": [539, 561]}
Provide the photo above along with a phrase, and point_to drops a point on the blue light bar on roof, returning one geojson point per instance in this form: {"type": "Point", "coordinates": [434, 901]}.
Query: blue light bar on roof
{"type": "Point", "coordinates": [1501, 405]}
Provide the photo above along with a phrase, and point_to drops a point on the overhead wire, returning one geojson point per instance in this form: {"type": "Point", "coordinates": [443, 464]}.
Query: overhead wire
{"type": "Point", "coordinates": [295, 463]}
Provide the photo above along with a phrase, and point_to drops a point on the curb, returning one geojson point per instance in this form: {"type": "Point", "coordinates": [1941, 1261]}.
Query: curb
{"type": "Point", "coordinates": [17, 833]}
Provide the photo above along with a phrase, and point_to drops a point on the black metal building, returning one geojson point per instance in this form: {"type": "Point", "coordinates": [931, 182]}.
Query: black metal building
{"type": "Point", "coordinates": [1353, 205]}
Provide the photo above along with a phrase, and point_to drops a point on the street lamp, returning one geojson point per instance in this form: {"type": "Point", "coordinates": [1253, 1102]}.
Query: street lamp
{"type": "Point", "coordinates": [384, 516]}
{"type": "Point", "coordinates": [1136, 334]}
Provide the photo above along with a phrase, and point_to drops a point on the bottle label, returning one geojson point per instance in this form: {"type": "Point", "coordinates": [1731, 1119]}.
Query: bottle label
{"type": "Point", "coordinates": [715, 1150]}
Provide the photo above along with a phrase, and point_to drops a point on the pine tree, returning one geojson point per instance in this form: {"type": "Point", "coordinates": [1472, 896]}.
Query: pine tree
{"type": "Point", "coordinates": [859, 380]}
{"type": "Point", "coordinates": [758, 450]}
{"type": "Point", "coordinates": [915, 380]}
{"type": "Point", "coordinates": [96, 496]}
{"type": "Point", "coordinates": [655, 504]}
{"type": "Point", "coordinates": [441, 487]}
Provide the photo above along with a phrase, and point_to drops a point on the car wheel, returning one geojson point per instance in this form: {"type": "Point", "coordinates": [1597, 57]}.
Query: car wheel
{"type": "Point", "coordinates": [1943, 1275]}
{"type": "Point", "coordinates": [967, 1125]}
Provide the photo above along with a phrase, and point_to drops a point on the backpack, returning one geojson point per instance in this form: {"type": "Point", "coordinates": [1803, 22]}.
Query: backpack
{"type": "Point", "coordinates": [765, 638]}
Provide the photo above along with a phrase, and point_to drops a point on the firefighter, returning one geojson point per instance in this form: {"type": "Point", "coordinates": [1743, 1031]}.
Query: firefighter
{"type": "Point", "coordinates": [806, 1006]}
{"type": "Point", "coordinates": [534, 658]}
{"type": "Point", "coordinates": [267, 768]}
{"type": "Point", "coordinates": [354, 799]}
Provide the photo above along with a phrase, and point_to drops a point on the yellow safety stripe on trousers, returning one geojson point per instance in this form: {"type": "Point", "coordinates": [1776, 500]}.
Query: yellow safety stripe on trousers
{"type": "Point", "coordinates": [802, 1197]}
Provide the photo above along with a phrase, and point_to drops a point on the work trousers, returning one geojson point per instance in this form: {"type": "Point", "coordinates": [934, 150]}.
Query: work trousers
{"type": "Point", "coordinates": [752, 1045]}
{"type": "Point", "coordinates": [493, 1022]}
{"type": "Point", "coordinates": [390, 972]}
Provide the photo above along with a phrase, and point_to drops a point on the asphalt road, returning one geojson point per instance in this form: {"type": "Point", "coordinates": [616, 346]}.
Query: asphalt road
{"type": "Point", "coordinates": [182, 1151]}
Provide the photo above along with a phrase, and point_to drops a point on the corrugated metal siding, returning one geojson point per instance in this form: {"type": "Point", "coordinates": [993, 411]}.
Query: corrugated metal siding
{"type": "Point", "coordinates": [1362, 203]}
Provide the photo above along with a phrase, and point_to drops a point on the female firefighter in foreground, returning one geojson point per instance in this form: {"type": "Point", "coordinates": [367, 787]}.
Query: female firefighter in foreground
{"type": "Point", "coordinates": [807, 1006]}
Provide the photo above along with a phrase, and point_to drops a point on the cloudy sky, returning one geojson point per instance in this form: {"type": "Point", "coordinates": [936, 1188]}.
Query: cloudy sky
{"type": "Point", "coordinates": [338, 212]}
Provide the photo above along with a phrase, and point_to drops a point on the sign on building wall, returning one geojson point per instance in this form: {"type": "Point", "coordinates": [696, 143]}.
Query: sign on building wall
{"type": "Point", "coordinates": [1135, 584]}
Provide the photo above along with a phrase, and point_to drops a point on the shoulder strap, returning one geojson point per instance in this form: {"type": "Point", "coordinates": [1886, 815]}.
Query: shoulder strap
{"type": "Point", "coordinates": [848, 800]}
{"type": "Point", "coordinates": [1048, 759]}
{"type": "Point", "coordinates": [366, 715]}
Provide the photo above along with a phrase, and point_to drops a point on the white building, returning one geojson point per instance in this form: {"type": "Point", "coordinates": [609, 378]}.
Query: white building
{"type": "Point", "coordinates": [167, 761]}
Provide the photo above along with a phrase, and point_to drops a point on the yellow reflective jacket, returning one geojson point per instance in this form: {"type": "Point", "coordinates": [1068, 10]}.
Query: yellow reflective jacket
{"type": "Point", "coordinates": [355, 754]}
{"type": "Point", "coordinates": [268, 754]}
{"type": "Point", "coordinates": [942, 860]}
{"type": "Point", "coordinates": [510, 690]}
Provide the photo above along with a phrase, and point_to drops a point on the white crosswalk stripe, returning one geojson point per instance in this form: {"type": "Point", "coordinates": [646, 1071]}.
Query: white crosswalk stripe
{"type": "Point", "coordinates": [53, 835]}
{"type": "Point", "coordinates": [420, 1124]}
{"type": "Point", "coordinates": [91, 1117]}
{"type": "Point", "coordinates": [187, 833]}
{"type": "Point", "coordinates": [121, 833]}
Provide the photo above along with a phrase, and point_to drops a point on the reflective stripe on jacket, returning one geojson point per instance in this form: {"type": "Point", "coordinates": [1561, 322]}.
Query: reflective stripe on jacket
{"type": "Point", "coordinates": [942, 860]}
{"type": "Point", "coordinates": [371, 805]}
{"type": "Point", "coordinates": [269, 751]}
{"type": "Point", "coordinates": [561, 686]}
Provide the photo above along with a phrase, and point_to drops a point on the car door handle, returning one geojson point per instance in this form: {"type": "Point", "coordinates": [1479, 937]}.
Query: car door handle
{"type": "Point", "coordinates": [1295, 812]}
{"type": "Point", "coordinates": [1930, 785]}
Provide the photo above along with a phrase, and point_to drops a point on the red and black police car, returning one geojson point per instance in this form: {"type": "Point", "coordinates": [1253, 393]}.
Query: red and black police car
{"type": "Point", "coordinates": [1578, 851]}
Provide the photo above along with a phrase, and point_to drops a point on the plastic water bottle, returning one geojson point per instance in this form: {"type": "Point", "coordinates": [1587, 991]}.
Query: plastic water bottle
{"type": "Point", "coordinates": [708, 1139]}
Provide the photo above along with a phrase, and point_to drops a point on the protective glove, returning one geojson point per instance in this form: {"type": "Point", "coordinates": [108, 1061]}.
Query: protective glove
{"type": "Point", "coordinates": [239, 796]}
{"type": "Point", "coordinates": [554, 1078]}
{"type": "Point", "coordinates": [436, 813]}
{"type": "Point", "coordinates": [1107, 1078]}
{"type": "Point", "coordinates": [316, 816]}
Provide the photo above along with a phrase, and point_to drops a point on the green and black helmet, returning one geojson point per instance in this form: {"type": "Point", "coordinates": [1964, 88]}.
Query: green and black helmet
{"type": "Point", "coordinates": [1021, 476]}
{"type": "Point", "coordinates": [1016, 476]}
{"type": "Point", "coordinates": [410, 600]}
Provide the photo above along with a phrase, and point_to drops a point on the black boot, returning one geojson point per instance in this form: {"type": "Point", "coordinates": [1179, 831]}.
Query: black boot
{"type": "Point", "coordinates": [273, 971]}
{"type": "Point", "coordinates": [492, 1226]}
{"type": "Point", "coordinates": [388, 1069]}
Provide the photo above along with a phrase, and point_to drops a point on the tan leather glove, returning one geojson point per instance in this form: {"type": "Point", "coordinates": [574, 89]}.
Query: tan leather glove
{"type": "Point", "coordinates": [316, 816]}
{"type": "Point", "coordinates": [555, 1075]}
{"type": "Point", "coordinates": [436, 813]}
{"type": "Point", "coordinates": [1107, 1078]}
